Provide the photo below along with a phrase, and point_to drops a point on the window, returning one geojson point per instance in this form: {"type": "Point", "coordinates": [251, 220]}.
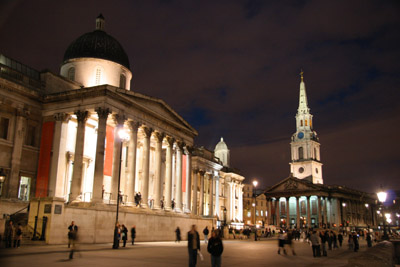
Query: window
{"type": "Point", "coordinates": [301, 156]}
{"type": "Point", "coordinates": [301, 122]}
{"type": "Point", "coordinates": [315, 153]}
{"type": "Point", "coordinates": [306, 122]}
{"type": "Point", "coordinates": [71, 74]}
{"type": "Point", "coordinates": [122, 81]}
{"type": "Point", "coordinates": [4, 123]}
{"type": "Point", "coordinates": [256, 212]}
{"type": "Point", "coordinates": [24, 188]}
{"type": "Point", "coordinates": [262, 214]}
{"type": "Point", "coordinates": [248, 214]}
{"type": "Point", "coordinates": [98, 76]}
{"type": "Point", "coordinates": [30, 137]}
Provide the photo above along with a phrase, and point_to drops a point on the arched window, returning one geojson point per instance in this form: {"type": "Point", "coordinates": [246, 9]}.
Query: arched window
{"type": "Point", "coordinates": [306, 122]}
{"type": "Point", "coordinates": [301, 122]}
{"type": "Point", "coordinates": [71, 74]}
{"type": "Point", "coordinates": [122, 81]}
{"type": "Point", "coordinates": [301, 156]}
{"type": "Point", "coordinates": [98, 76]}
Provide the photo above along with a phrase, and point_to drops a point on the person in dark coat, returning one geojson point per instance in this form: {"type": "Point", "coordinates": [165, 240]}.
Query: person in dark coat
{"type": "Point", "coordinates": [116, 236]}
{"type": "Point", "coordinates": [177, 235]}
{"type": "Point", "coordinates": [340, 239]}
{"type": "Point", "coordinates": [193, 238]}
{"type": "Point", "coordinates": [215, 248]}
{"type": "Point", "coordinates": [206, 232]}
{"type": "Point", "coordinates": [73, 228]}
{"type": "Point", "coordinates": [355, 242]}
{"type": "Point", "coordinates": [369, 240]}
{"type": "Point", "coordinates": [124, 233]}
{"type": "Point", "coordinates": [324, 239]}
{"type": "Point", "coordinates": [17, 236]}
{"type": "Point", "coordinates": [133, 234]}
{"type": "Point", "coordinates": [9, 234]}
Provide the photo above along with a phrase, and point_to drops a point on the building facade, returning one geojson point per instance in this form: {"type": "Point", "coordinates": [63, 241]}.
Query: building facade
{"type": "Point", "coordinates": [74, 145]}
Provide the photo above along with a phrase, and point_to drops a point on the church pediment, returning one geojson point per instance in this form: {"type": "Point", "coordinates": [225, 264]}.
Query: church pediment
{"type": "Point", "coordinates": [291, 184]}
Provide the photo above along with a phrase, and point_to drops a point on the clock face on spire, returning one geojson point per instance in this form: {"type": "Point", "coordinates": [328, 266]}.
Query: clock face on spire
{"type": "Point", "coordinates": [300, 135]}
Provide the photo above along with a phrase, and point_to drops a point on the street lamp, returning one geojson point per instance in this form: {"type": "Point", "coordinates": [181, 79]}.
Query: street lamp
{"type": "Point", "coordinates": [2, 179]}
{"type": "Point", "coordinates": [123, 137]}
{"type": "Point", "coordinates": [382, 198]}
{"type": "Point", "coordinates": [255, 183]}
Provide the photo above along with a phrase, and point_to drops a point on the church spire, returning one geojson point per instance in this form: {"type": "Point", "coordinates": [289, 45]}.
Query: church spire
{"type": "Point", "coordinates": [100, 22]}
{"type": "Point", "coordinates": [303, 103]}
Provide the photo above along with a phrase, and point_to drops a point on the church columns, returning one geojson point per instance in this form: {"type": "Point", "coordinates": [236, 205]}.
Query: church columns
{"type": "Point", "coordinates": [269, 215]}
{"type": "Point", "coordinates": [132, 148]}
{"type": "Point", "coordinates": [278, 212]}
{"type": "Point", "coordinates": [201, 201]}
{"type": "Point", "coordinates": [157, 183]}
{"type": "Point", "coordinates": [178, 188]}
{"type": "Point", "coordinates": [76, 183]}
{"type": "Point", "coordinates": [168, 173]}
{"type": "Point", "coordinates": [241, 202]}
{"type": "Point", "coordinates": [59, 160]}
{"type": "Point", "coordinates": [195, 182]}
{"type": "Point", "coordinates": [308, 212]}
{"type": "Point", "coordinates": [119, 124]}
{"type": "Point", "coordinates": [319, 200]}
{"type": "Point", "coordinates": [146, 165]}
{"type": "Point", "coordinates": [188, 204]}
{"type": "Point", "coordinates": [297, 213]}
{"type": "Point", "coordinates": [217, 209]}
{"type": "Point", "coordinates": [99, 160]}
{"type": "Point", "coordinates": [211, 203]}
{"type": "Point", "coordinates": [287, 213]}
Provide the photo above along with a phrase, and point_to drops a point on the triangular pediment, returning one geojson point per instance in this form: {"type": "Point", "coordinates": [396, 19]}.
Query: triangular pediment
{"type": "Point", "coordinates": [293, 184]}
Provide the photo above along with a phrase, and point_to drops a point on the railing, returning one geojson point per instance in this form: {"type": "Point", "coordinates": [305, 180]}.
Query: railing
{"type": "Point", "coordinates": [32, 234]}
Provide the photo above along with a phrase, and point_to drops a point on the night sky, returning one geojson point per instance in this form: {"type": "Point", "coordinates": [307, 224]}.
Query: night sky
{"type": "Point", "coordinates": [231, 69]}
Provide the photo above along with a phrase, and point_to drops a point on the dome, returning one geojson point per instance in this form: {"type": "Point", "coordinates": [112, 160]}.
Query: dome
{"type": "Point", "coordinates": [221, 145]}
{"type": "Point", "coordinates": [97, 44]}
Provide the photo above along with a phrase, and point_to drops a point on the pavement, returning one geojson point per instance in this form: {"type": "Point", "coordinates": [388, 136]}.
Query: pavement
{"type": "Point", "coordinates": [167, 254]}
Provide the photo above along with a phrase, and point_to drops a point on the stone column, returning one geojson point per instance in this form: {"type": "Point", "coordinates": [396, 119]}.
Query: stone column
{"type": "Point", "coordinates": [146, 165]}
{"type": "Point", "coordinates": [178, 188]}
{"type": "Point", "coordinates": [211, 210]}
{"type": "Point", "coordinates": [269, 209]}
{"type": "Point", "coordinates": [168, 172]}
{"type": "Point", "coordinates": [278, 212]}
{"type": "Point", "coordinates": [298, 212]}
{"type": "Point", "coordinates": [132, 150]}
{"type": "Point", "coordinates": [195, 182]}
{"type": "Point", "coordinates": [157, 192]}
{"type": "Point", "coordinates": [326, 210]}
{"type": "Point", "coordinates": [339, 218]}
{"type": "Point", "coordinates": [319, 200]}
{"type": "Point", "coordinates": [99, 160]}
{"type": "Point", "coordinates": [287, 212]}
{"type": "Point", "coordinates": [308, 212]}
{"type": "Point", "coordinates": [241, 202]}
{"type": "Point", "coordinates": [119, 121]}
{"type": "Point", "coordinates": [59, 159]}
{"type": "Point", "coordinates": [188, 203]}
{"type": "Point", "coordinates": [76, 184]}
{"type": "Point", "coordinates": [201, 203]}
{"type": "Point", "coordinates": [11, 191]}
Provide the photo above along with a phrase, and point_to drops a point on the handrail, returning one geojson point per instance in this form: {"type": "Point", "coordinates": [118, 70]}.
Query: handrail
{"type": "Point", "coordinates": [31, 230]}
{"type": "Point", "coordinates": [19, 211]}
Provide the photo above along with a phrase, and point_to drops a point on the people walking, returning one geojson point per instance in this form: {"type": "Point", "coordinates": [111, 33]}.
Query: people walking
{"type": "Point", "coordinates": [124, 234]}
{"type": "Point", "coordinates": [340, 239]}
{"type": "Point", "coordinates": [289, 241]}
{"type": "Point", "coordinates": [206, 232]}
{"type": "Point", "coordinates": [316, 249]}
{"type": "Point", "coordinates": [324, 238]}
{"type": "Point", "coordinates": [215, 248]}
{"type": "Point", "coordinates": [369, 240]}
{"type": "Point", "coordinates": [133, 234]}
{"type": "Point", "coordinates": [355, 242]}
{"type": "Point", "coordinates": [72, 229]}
{"type": "Point", "coordinates": [281, 242]}
{"type": "Point", "coordinates": [193, 238]}
{"type": "Point", "coordinates": [17, 236]}
{"type": "Point", "coordinates": [177, 235]}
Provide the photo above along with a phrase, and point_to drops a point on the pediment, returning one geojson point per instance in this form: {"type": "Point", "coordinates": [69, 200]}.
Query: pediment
{"type": "Point", "coordinates": [293, 184]}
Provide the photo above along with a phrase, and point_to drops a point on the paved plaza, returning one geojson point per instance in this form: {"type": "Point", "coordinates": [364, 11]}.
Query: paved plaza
{"type": "Point", "coordinates": [236, 253]}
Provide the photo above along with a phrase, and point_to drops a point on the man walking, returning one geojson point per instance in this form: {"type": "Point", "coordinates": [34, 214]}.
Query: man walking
{"type": "Point", "coordinates": [193, 238]}
{"type": "Point", "coordinates": [205, 232]}
{"type": "Point", "coordinates": [72, 229]}
{"type": "Point", "coordinates": [215, 248]}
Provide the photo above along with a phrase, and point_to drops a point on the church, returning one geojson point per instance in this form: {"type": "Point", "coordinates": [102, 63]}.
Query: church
{"type": "Point", "coordinates": [82, 146]}
{"type": "Point", "coordinates": [302, 200]}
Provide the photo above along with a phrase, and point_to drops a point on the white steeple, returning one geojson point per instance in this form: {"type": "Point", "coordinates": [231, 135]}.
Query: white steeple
{"type": "Point", "coordinates": [305, 147]}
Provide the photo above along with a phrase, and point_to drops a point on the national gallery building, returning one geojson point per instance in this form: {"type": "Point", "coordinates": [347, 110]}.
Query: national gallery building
{"type": "Point", "coordinates": [75, 145]}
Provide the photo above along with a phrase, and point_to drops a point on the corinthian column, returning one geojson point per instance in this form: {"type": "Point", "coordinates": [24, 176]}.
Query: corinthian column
{"type": "Point", "coordinates": [168, 172]}
{"type": "Point", "coordinates": [157, 192]}
{"type": "Point", "coordinates": [119, 121]}
{"type": "Point", "coordinates": [99, 161]}
{"type": "Point", "coordinates": [297, 213]}
{"type": "Point", "coordinates": [195, 181]}
{"type": "Point", "coordinates": [201, 203]}
{"type": "Point", "coordinates": [211, 202]}
{"type": "Point", "coordinates": [188, 181]}
{"type": "Point", "coordinates": [308, 212]}
{"type": "Point", "coordinates": [132, 161]}
{"type": "Point", "coordinates": [178, 189]}
{"type": "Point", "coordinates": [76, 183]}
{"type": "Point", "coordinates": [146, 166]}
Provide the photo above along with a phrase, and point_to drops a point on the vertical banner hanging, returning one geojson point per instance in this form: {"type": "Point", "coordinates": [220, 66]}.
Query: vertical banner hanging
{"type": "Point", "coordinates": [109, 150]}
{"type": "Point", "coordinates": [46, 141]}
{"type": "Point", "coordinates": [184, 173]}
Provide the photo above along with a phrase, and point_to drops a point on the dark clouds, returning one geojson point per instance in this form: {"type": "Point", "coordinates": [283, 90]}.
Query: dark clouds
{"type": "Point", "coordinates": [231, 69]}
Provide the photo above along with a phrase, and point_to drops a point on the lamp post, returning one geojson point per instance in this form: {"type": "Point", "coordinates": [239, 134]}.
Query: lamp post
{"type": "Point", "coordinates": [382, 198]}
{"type": "Point", "coordinates": [255, 183]}
{"type": "Point", "coordinates": [123, 137]}
{"type": "Point", "coordinates": [2, 179]}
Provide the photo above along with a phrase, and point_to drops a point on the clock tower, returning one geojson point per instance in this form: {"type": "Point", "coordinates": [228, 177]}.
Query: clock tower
{"type": "Point", "coordinates": [305, 148]}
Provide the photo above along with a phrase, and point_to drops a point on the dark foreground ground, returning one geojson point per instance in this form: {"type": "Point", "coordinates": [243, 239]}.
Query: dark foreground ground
{"type": "Point", "coordinates": [244, 253]}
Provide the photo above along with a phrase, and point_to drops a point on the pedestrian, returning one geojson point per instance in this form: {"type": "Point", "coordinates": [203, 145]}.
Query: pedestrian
{"type": "Point", "coordinates": [289, 241]}
{"type": "Point", "coordinates": [206, 232]}
{"type": "Point", "coordinates": [334, 240]}
{"type": "Point", "coordinates": [340, 239]}
{"type": "Point", "coordinates": [71, 230]}
{"type": "Point", "coordinates": [17, 236]}
{"type": "Point", "coordinates": [281, 242]}
{"type": "Point", "coordinates": [117, 235]}
{"type": "Point", "coordinates": [177, 235]}
{"type": "Point", "coordinates": [9, 234]}
{"type": "Point", "coordinates": [215, 248]}
{"type": "Point", "coordinates": [133, 234]}
{"type": "Point", "coordinates": [193, 238]}
{"type": "Point", "coordinates": [324, 238]}
{"type": "Point", "coordinates": [369, 240]}
{"type": "Point", "coordinates": [316, 249]}
{"type": "Point", "coordinates": [124, 234]}
{"type": "Point", "coordinates": [73, 234]}
{"type": "Point", "coordinates": [329, 239]}
{"type": "Point", "coordinates": [355, 242]}
{"type": "Point", "coordinates": [350, 242]}
{"type": "Point", "coordinates": [173, 204]}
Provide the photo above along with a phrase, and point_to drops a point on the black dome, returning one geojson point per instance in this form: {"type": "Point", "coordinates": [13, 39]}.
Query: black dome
{"type": "Point", "coordinates": [97, 44]}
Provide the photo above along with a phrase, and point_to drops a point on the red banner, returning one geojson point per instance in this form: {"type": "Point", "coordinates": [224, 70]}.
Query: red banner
{"type": "Point", "coordinates": [109, 150]}
{"type": "Point", "coordinates": [184, 173]}
{"type": "Point", "coordinates": [42, 179]}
